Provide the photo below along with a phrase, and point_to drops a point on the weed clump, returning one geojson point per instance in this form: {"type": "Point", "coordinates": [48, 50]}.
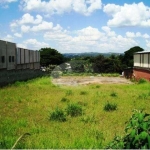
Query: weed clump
{"type": "Point", "coordinates": [64, 99]}
{"type": "Point", "coordinates": [58, 115]}
{"type": "Point", "coordinates": [110, 107]}
{"type": "Point", "coordinates": [143, 96]}
{"type": "Point", "coordinates": [141, 81]}
{"type": "Point", "coordinates": [113, 94]}
{"type": "Point", "coordinates": [83, 93]}
{"type": "Point", "coordinates": [69, 92]}
{"type": "Point", "coordinates": [97, 86]}
{"type": "Point", "coordinates": [74, 110]}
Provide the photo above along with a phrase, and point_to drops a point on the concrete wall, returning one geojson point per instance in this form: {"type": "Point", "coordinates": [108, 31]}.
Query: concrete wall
{"type": "Point", "coordinates": [11, 56]}
{"type": "Point", "coordinates": [34, 58]}
{"type": "Point", "coordinates": [11, 76]}
{"type": "Point", "coordinates": [27, 55]}
{"type": "Point", "coordinates": [18, 55]}
{"type": "Point", "coordinates": [37, 65]}
{"type": "Point", "coordinates": [3, 58]}
{"type": "Point", "coordinates": [22, 56]}
{"type": "Point", "coordinates": [31, 56]}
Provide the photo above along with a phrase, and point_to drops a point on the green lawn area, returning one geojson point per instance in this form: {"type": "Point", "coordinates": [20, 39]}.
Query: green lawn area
{"type": "Point", "coordinates": [26, 107]}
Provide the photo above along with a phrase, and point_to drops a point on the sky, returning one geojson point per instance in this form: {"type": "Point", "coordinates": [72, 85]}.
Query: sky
{"type": "Point", "coordinates": [75, 26]}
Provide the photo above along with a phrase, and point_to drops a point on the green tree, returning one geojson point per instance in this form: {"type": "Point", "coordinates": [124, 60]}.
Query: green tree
{"type": "Point", "coordinates": [128, 55]}
{"type": "Point", "coordinates": [77, 65]}
{"type": "Point", "coordinates": [98, 64]}
{"type": "Point", "coordinates": [50, 56]}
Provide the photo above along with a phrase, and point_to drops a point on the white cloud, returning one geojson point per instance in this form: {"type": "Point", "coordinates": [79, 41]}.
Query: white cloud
{"type": "Point", "coordinates": [146, 36]}
{"type": "Point", "coordinates": [85, 7]}
{"type": "Point", "coordinates": [108, 31]}
{"type": "Point", "coordinates": [33, 44]}
{"type": "Point", "coordinates": [58, 35]}
{"type": "Point", "coordinates": [148, 43]}
{"type": "Point", "coordinates": [43, 26]}
{"type": "Point", "coordinates": [90, 34]}
{"type": "Point", "coordinates": [26, 19]}
{"type": "Point", "coordinates": [130, 34]}
{"type": "Point", "coordinates": [29, 23]}
{"type": "Point", "coordinates": [8, 37]}
{"type": "Point", "coordinates": [90, 39]}
{"type": "Point", "coordinates": [18, 35]}
{"type": "Point", "coordinates": [111, 9]}
{"type": "Point", "coordinates": [25, 28]}
{"type": "Point", "coordinates": [136, 35]}
{"type": "Point", "coordinates": [128, 15]}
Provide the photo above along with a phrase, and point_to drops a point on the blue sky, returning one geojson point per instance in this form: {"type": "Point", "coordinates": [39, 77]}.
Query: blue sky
{"type": "Point", "coordinates": [74, 26]}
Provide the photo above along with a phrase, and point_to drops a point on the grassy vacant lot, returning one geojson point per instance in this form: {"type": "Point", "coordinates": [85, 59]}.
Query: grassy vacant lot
{"type": "Point", "coordinates": [26, 107]}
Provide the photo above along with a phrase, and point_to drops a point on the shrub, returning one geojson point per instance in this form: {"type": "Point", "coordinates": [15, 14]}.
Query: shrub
{"type": "Point", "coordinates": [137, 133]}
{"type": "Point", "coordinates": [58, 115]}
{"type": "Point", "coordinates": [74, 110]}
{"type": "Point", "coordinates": [110, 107]}
{"type": "Point", "coordinates": [142, 81]}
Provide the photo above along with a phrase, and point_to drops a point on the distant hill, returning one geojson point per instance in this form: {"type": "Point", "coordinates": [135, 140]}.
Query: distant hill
{"type": "Point", "coordinates": [86, 54]}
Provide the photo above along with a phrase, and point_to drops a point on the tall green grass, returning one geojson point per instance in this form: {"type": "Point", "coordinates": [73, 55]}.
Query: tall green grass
{"type": "Point", "coordinates": [25, 107]}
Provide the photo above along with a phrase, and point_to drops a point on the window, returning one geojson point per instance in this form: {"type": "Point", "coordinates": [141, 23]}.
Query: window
{"type": "Point", "coordinates": [3, 59]}
{"type": "Point", "coordinates": [9, 58]}
{"type": "Point", "coordinates": [13, 58]}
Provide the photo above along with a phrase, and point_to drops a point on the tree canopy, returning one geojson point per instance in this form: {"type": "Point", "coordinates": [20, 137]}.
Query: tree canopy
{"type": "Point", "coordinates": [128, 55]}
{"type": "Point", "coordinates": [50, 56]}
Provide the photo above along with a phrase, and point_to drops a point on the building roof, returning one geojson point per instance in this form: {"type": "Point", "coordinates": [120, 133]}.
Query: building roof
{"type": "Point", "coordinates": [142, 52]}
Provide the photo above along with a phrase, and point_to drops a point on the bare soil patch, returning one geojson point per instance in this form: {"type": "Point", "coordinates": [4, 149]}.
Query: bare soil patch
{"type": "Point", "coordinates": [82, 80]}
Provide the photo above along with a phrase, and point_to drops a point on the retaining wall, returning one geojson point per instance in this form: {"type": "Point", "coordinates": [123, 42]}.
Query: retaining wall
{"type": "Point", "coordinates": [11, 76]}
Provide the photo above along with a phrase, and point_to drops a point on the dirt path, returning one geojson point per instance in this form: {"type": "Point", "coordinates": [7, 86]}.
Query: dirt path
{"type": "Point", "coordinates": [79, 80]}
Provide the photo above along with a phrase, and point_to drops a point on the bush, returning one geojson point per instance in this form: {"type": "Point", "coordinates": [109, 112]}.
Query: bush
{"type": "Point", "coordinates": [110, 107]}
{"type": "Point", "coordinates": [58, 115]}
{"type": "Point", "coordinates": [142, 81]}
{"type": "Point", "coordinates": [74, 110]}
{"type": "Point", "coordinates": [137, 133]}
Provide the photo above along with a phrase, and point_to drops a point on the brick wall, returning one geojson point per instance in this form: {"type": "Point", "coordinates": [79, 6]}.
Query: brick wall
{"type": "Point", "coordinates": [141, 73]}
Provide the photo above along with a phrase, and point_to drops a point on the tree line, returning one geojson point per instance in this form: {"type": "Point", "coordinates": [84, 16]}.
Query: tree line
{"type": "Point", "coordinates": [90, 64]}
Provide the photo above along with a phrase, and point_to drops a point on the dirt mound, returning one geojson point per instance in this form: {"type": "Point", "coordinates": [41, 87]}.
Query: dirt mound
{"type": "Point", "coordinates": [76, 80]}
